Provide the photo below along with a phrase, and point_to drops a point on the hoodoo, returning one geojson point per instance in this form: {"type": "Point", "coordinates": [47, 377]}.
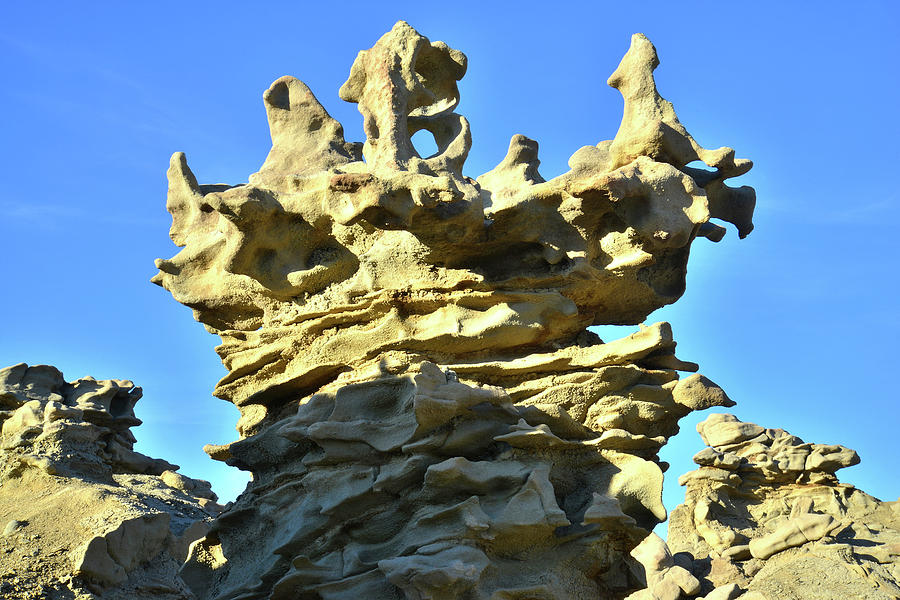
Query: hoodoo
{"type": "Point", "coordinates": [424, 411]}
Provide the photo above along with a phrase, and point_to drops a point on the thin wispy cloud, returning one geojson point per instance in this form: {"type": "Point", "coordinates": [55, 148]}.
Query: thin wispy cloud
{"type": "Point", "coordinates": [93, 63]}
{"type": "Point", "coordinates": [51, 215]}
{"type": "Point", "coordinates": [135, 107]}
{"type": "Point", "coordinates": [824, 212]}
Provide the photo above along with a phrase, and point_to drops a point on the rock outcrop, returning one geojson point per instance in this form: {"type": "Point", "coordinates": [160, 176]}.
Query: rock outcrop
{"type": "Point", "coordinates": [84, 515]}
{"type": "Point", "coordinates": [766, 513]}
{"type": "Point", "coordinates": [423, 410]}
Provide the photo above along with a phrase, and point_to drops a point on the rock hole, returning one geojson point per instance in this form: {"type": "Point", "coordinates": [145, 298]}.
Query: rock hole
{"type": "Point", "coordinates": [701, 173]}
{"type": "Point", "coordinates": [423, 142]}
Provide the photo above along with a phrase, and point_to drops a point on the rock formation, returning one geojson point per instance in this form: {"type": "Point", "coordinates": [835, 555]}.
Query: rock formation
{"type": "Point", "coordinates": [423, 410]}
{"type": "Point", "coordinates": [84, 515]}
{"type": "Point", "coordinates": [765, 513]}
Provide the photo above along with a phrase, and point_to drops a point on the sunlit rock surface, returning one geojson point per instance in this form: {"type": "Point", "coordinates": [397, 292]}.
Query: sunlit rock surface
{"type": "Point", "coordinates": [765, 512]}
{"type": "Point", "coordinates": [83, 514]}
{"type": "Point", "coordinates": [423, 410]}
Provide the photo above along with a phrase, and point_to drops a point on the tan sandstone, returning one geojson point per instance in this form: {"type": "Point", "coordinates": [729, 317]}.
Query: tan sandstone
{"type": "Point", "coordinates": [85, 515]}
{"type": "Point", "coordinates": [782, 526]}
{"type": "Point", "coordinates": [423, 410]}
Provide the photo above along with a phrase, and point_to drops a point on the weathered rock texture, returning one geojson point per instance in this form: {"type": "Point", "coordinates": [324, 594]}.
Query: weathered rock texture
{"type": "Point", "coordinates": [84, 515]}
{"type": "Point", "coordinates": [424, 412]}
{"type": "Point", "coordinates": [765, 513]}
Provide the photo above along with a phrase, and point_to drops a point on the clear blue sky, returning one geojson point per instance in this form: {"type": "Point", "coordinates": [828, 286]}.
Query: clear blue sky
{"type": "Point", "coordinates": [799, 322]}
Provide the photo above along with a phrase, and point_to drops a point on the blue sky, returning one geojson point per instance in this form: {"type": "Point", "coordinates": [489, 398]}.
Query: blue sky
{"type": "Point", "coordinates": [799, 322]}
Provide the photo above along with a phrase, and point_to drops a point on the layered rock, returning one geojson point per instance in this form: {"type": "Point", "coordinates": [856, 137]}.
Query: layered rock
{"type": "Point", "coordinates": [765, 512]}
{"type": "Point", "coordinates": [326, 261]}
{"type": "Point", "coordinates": [84, 515]}
{"type": "Point", "coordinates": [423, 410]}
{"type": "Point", "coordinates": [381, 480]}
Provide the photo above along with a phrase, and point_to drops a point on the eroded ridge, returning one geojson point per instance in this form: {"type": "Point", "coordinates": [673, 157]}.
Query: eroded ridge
{"type": "Point", "coordinates": [423, 409]}
{"type": "Point", "coordinates": [85, 515]}
{"type": "Point", "coordinates": [764, 513]}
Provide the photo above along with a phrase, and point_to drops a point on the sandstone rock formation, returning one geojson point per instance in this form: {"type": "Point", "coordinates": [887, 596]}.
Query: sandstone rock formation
{"type": "Point", "coordinates": [765, 513]}
{"type": "Point", "coordinates": [84, 515]}
{"type": "Point", "coordinates": [423, 410]}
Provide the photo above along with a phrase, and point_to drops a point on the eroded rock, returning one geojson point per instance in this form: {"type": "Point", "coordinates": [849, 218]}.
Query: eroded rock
{"type": "Point", "coordinates": [423, 410]}
{"type": "Point", "coordinates": [324, 262]}
{"type": "Point", "coordinates": [779, 524]}
{"type": "Point", "coordinates": [86, 515]}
